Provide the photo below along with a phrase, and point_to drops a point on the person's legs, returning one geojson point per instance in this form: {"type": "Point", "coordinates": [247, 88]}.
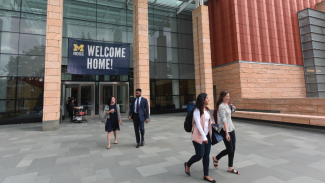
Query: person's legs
{"type": "Point", "coordinates": [199, 152]}
{"type": "Point", "coordinates": [109, 140]}
{"type": "Point", "coordinates": [71, 114]}
{"type": "Point", "coordinates": [227, 144]}
{"type": "Point", "coordinates": [115, 136]}
{"type": "Point", "coordinates": [142, 130]}
{"type": "Point", "coordinates": [206, 157]}
{"type": "Point", "coordinates": [136, 122]}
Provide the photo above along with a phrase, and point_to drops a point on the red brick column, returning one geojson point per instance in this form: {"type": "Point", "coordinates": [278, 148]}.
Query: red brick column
{"type": "Point", "coordinates": [52, 78]}
{"type": "Point", "coordinates": [202, 53]}
{"type": "Point", "coordinates": [141, 47]}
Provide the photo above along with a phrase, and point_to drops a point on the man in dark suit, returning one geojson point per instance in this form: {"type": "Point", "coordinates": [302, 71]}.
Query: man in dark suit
{"type": "Point", "coordinates": [139, 112]}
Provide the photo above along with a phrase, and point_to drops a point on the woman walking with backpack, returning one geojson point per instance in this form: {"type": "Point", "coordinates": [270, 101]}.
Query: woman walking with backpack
{"type": "Point", "coordinates": [201, 136]}
{"type": "Point", "coordinates": [227, 130]}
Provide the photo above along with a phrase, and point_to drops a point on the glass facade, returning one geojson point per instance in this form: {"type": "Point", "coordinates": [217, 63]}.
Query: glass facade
{"type": "Point", "coordinates": [312, 31]}
{"type": "Point", "coordinates": [22, 58]}
{"type": "Point", "coordinates": [171, 55]}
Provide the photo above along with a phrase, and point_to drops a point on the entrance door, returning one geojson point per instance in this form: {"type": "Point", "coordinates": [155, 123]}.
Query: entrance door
{"type": "Point", "coordinates": [119, 90]}
{"type": "Point", "coordinates": [83, 94]}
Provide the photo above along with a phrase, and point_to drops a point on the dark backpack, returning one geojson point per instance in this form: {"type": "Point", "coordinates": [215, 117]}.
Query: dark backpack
{"type": "Point", "coordinates": [188, 124]}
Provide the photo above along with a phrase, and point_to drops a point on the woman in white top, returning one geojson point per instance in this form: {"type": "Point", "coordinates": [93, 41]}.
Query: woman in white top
{"type": "Point", "coordinates": [227, 130]}
{"type": "Point", "coordinates": [201, 136]}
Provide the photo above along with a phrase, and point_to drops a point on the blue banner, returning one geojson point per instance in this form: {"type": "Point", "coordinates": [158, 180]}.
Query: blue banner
{"type": "Point", "coordinates": [98, 58]}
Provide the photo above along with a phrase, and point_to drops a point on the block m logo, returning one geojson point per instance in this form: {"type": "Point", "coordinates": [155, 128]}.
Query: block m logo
{"type": "Point", "coordinates": [76, 47]}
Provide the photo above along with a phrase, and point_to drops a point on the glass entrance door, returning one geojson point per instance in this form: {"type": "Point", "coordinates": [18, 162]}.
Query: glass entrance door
{"type": "Point", "coordinates": [119, 90]}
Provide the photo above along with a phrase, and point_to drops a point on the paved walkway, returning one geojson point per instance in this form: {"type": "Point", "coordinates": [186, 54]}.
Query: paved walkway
{"type": "Point", "coordinates": [77, 153]}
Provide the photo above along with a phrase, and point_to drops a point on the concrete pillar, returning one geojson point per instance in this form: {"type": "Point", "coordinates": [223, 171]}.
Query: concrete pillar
{"type": "Point", "coordinates": [52, 77]}
{"type": "Point", "coordinates": [202, 53]}
{"type": "Point", "coordinates": [141, 47]}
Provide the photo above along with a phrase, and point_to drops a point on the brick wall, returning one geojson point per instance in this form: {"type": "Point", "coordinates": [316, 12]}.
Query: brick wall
{"type": "Point", "coordinates": [321, 6]}
{"type": "Point", "coordinates": [272, 81]}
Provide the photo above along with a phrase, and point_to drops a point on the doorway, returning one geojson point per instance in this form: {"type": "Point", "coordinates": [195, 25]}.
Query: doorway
{"type": "Point", "coordinates": [119, 90]}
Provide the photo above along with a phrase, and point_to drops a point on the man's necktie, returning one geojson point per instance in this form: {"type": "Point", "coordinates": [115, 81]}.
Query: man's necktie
{"type": "Point", "coordinates": [138, 105]}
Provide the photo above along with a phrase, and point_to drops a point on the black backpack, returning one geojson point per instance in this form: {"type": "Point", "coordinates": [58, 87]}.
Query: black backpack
{"type": "Point", "coordinates": [188, 124]}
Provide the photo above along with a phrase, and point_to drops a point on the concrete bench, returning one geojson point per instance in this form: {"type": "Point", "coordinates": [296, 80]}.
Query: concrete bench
{"type": "Point", "coordinates": [280, 117]}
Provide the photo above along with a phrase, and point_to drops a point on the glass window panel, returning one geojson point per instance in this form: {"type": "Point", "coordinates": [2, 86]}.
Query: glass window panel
{"type": "Point", "coordinates": [164, 11]}
{"type": "Point", "coordinates": [152, 88]}
{"type": "Point", "coordinates": [164, 54]}
{"type": "Point", "coordinates": [321, 87]}
{"type": "Point", "coordinates": [34, 6]}
{"type": "Point", "coordinates": [185, 26]}
{"type": "Point", "coordinates": [312, 94]}
{"type": "Point", "coordinates": [186, 71]}
{"type": "Point", "coordinates": [316, 14]}
{"type": "Point", "coordinates": [8, 65]}
{"type": "Point", "coordinates": [166, 71]}
{"type": "Point", "coordinates": [9, 42]}
{"type": "Point", "coordinates": [320, 70]}
{"type": "Point", "coordinates": [304, 21]}
{"type": "Point", "coordinates": [64, 61]}
{"type": "Point", "coordinates": [152, 50]}
{"type": "Point", "coordinates": [185, 99]}
{"type": "Point", "coordinates": [112, 33]}
{"type": "Point", "coordinates": [164, 87]}
{"type": "Point", "coordinates": [310, 70]}
{"type": "Point", "coordinates": [307, 46]}
{"type": "Point", "coordinates": [186, 56]}
{"type": "Point", "coordinates": [64, 47]}
{"type": "Point", "coordinates": [187, 87]}
{"type": "Point", "coordinates": [320, 78]}
{"type": "Point", "coordinates": [129, 18]}
{"type": "Point", "coordinates": [161, 38]}
{"type": "Point", "coordinates": [114, 3]}
{"type": "Point", "coordinates": [9, 21]}
{"type": "Point", "coordinates": [32, 44]}
{"type": "Point", "coordinates": [316, 21]}
{"type": "Point", "coordinates": [185, 15]}
{"type": "Point", "coordinates": [319, 61]}
{"type": "Point", "coordinates": [165, 23]}
{"type": "Point", "coordinates": [319, 53]}
{"type": "Point", "coordinates": [305, 38]}
{"type": "Point", "coordinates": [175, 87]}
{"type": "Point", "coordinates": [130, 35]}
{"type": "Point", "coordinates": [33, 24]}
{"type": "Point", "coordinates": [308, 53]}
{"type": "Point", "coordinates": [312, 87]}
{"type": "Point", "coordinates": [318, 37]}
{"type": "Point", "coordinates": [7, 109]}
{"type": "Point", "coordinates": [310, 78]}
{"type": "Point", "coordinates": [185, 41]}
{"type": "Point", "coordinates": [8, 87]}
{"type": "Point", "coordinates": [30, 88]}
{"type": "Point", "coordinates": [10, 5]}
{"type": "Point", "coordinates": [318, 45]}
{"type": "Point", "coordinates": [31, 66]}
{"type": "Point", "coordinates": [79, 29]}
{"type": "Point", "coordinates": [316, 29]}
{"type": "Point", "coordinates": [79, 10]}
{"type": "Point", "coordinates": [309, 62]}
{"type": "Point", "coordinates": [303, 14]}
{"type": "Point", "coordinates": [29, 109]}
{"type": "Point", "coordinates": [167, 102]}
{"type": "Point", "coordinates": [152, 70]}
{"type": "Point", "coordinates": [323, 29]}
{"type": "Point", "coordinates": [321, 95]}
{"type": "Point", "coordinates": [150, 22]}
{"type": "Point", "coordinates": [111, 15]}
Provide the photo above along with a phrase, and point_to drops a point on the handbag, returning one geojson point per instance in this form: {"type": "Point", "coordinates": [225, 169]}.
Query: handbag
{"type": "Point", "coordinates": [216, 136]}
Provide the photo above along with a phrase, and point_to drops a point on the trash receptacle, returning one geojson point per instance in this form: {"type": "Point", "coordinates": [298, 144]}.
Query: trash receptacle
{"type": "Point", "coordinates": [190, 107]}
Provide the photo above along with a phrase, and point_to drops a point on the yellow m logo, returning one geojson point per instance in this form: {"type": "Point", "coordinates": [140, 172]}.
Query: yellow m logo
{"type": "Point", "coordinates": [80, 48]}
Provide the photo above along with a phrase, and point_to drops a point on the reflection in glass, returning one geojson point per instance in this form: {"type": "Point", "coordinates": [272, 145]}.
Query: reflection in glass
{"type": "Point", "coordinates": [312, 94]}
{"type": "Point", "coordinates": [163, 54]}
{"type": "Point", "coordinates": [8, 65]}
{"type": "Point", "coordinates": [112, 33]}
{"type": "Point", "coordinates": [185, 41]}
{"type": "Point", "coordinates": [319, 61]}
{"type": "Point", "coordinates": [9, 42]}
{"type": "Point", "coordinates": [160, 38]}
{"type": "Point", "coordinates": [185, 99]}
{"type": "Point", "coordinates": [28, 88]}
{"type": "Point", "coordinates": [32, 44]}
{"type": "Point", "coordinates": [186, 56]}
{"type": "Point", "coordinates": [33, 24]}
{"type": "Point", "coordinates": [7, 109]}
{"type": "Point", "coordinates": [9, 21]}
{"type": "Point", "coordinates": [7, 88]}
{"type": "Point", "coordinates": [29, 108]}
{"type": "Point", "coordinates": [79, 10]}
{"type": "Point", "coordinates": [187, 87]}
{"type": "Point", "coordinates": [310, 78]}
{"type": "Point", "coordinates": [186, 71]}
{"type": "Point", "coordinates": [79, 29]}
{"type": "Point", "coordinates": [166, 71]}
{"type": "Point", "coordinates": [164, 23]}
{"type": "Point", "coordinates": [32, 66]}
{"type": "Point", "coordinates": [10, 5]}
{"type": "Point", "coordinates": [111, 15]}
{"type": "Point", "coordinates": [320, 78]}
{"type": "Point", "coordinates": [312, 87]}
{"type": "Point", "coordinates": [34, 6]}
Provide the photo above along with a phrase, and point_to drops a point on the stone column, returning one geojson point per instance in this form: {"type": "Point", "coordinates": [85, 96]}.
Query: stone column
{"type": "Point", "coordinates": [141, 47]}
{"type": "Point", "coordinates": [52, 78]}
{"type": "Point", "coordinates": [202, 53]}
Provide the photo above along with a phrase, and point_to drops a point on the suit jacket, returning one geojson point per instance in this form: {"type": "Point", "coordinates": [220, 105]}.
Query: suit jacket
{"type": "Point", "coordinates": [143, 109]}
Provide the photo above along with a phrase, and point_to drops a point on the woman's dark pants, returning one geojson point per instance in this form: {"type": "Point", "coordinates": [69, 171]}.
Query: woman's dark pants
{"type": "Point", "coordinates": [230, 147]}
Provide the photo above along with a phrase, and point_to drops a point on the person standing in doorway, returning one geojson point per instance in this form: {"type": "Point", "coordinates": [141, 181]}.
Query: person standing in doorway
{"type": "Point", "coordinates": [71, 108]}
{"type": "Point", "coordinates": [67, 105]}
{"type": "Point", "coordinates": [227, 130]}
{"type": "Point", "coordinates": [139, 112]}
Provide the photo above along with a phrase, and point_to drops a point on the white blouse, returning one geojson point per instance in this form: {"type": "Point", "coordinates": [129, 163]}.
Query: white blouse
{"type": "Point", "coordinates": [224, 115]}
{"type": "Point", "coordinates": [197, 119]}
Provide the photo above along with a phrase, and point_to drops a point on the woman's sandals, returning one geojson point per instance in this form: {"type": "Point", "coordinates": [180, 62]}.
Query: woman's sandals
{"type": "Point", "coordinates": [234, 171]}
{"type": "Point", "coordinates": [215, 162]}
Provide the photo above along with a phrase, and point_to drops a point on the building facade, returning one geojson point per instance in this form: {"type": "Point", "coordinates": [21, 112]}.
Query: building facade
{"type": "Point", "coordinates": [179, 49]}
